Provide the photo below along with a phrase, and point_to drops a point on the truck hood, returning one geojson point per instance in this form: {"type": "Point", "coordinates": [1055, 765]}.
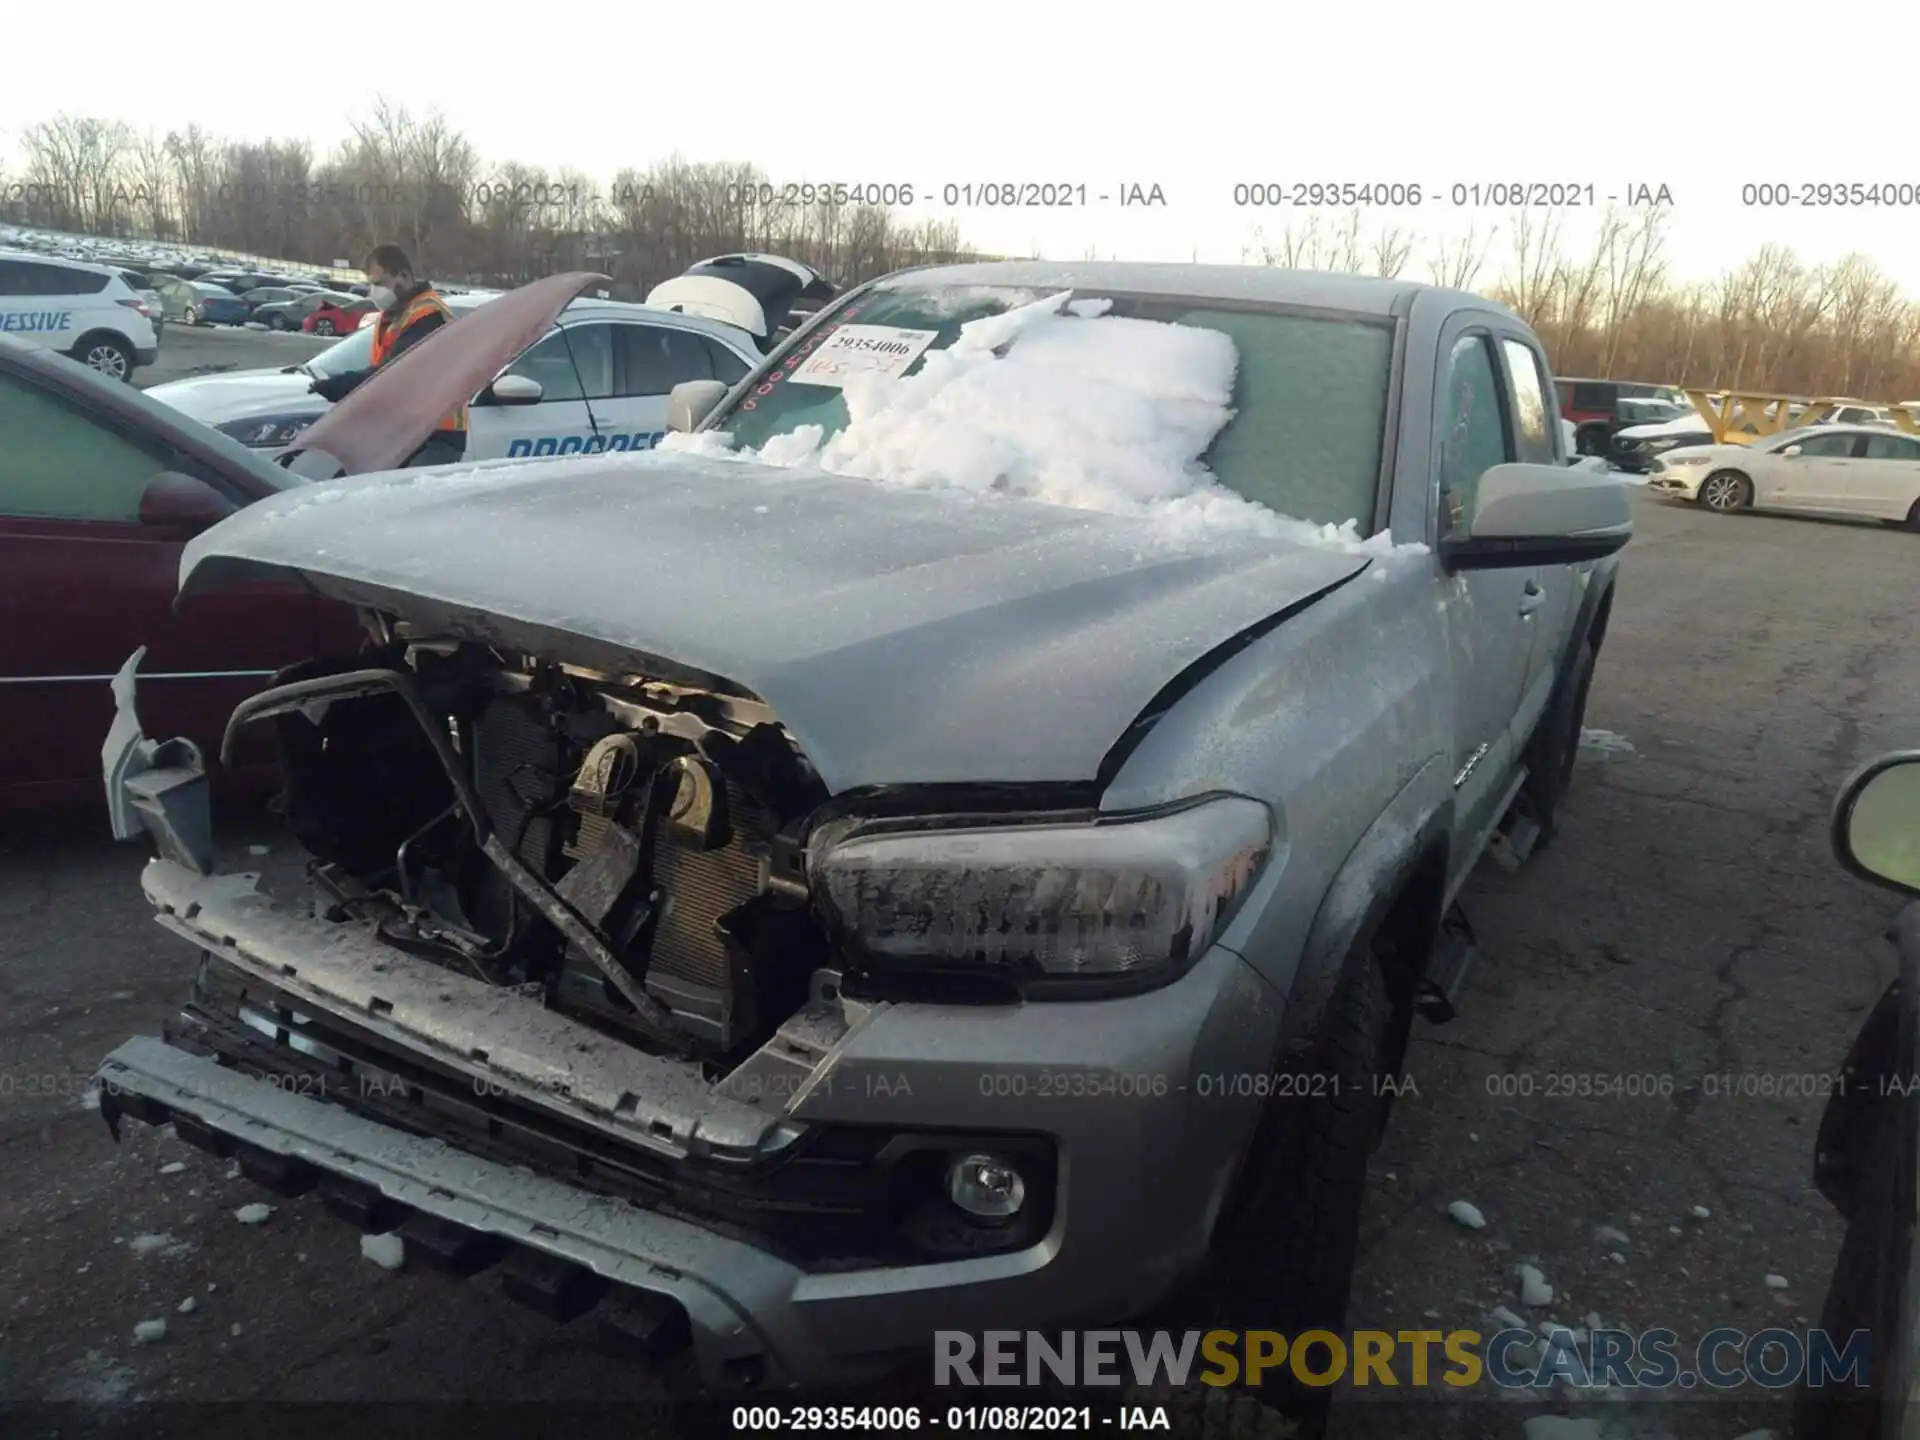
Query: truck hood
{"type": "Point", "coordinates": [242, 395]}
{"type": "Point", "coordinates": [902, 636]}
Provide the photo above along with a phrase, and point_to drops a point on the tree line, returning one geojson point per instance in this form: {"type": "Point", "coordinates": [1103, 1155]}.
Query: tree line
{"type": "Point", "coordinates": [1772, 323]}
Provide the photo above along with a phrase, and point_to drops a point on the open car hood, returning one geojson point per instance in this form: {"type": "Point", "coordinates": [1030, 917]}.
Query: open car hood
{"type": "Point", "coordinates": [902, 636]}
{"type": "Point", "coordinates": [389, 415]}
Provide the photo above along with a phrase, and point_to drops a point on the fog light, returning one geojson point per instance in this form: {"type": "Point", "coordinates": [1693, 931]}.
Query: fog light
{"type": "Point", "coordinates": [986, 1187]}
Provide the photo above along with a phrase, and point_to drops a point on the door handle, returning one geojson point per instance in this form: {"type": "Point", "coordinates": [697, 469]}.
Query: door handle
{"type": "Point", "coordinates": [1532, 597]}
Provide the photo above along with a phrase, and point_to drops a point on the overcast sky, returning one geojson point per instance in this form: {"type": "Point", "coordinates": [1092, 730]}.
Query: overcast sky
{"type": "Point", "coordinates": [1193, 97]}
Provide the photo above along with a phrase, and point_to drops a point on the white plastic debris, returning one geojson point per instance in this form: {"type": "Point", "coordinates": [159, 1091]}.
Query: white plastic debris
{"type": "Point", "coordinates": [1468, 1215]}
{"type": "Point", "coordinates": [389, 1252]}
{"type": "Point", "coordinates": [188, 1305]}
{"type": "Point", "coordinates": [1534, 1289]}
{"type": "Point", "coordinates": [1607, 1235]}
{"type": "Point", "coordinates": [1776, 1282]}
{"type": "Point", "coordinates": [173, 1167]}
{"type": "Point", "coordinates": [254, 1214]}
{"type": "Point", "coordinates": [1700, 1212]}
{"type": "Point", "coordinates": [149, 1331]}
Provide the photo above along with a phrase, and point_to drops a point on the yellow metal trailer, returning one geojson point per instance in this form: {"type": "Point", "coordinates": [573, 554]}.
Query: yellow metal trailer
{"type": "Point", "coordinates": [1738, 417]}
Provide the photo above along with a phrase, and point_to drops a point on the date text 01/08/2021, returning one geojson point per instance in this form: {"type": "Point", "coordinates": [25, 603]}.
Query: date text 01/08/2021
{"type": "Point", "coordinates": [957, 1419]}
{"type": "Point", "coordinates": [1460, 194]}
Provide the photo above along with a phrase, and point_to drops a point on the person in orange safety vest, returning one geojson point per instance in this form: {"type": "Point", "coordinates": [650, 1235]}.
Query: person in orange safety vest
{"type": "Point", "coordinates": [407, 310]}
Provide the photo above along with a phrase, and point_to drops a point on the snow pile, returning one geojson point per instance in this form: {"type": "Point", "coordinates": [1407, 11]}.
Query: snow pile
{"type": "Point", "coordinates": [1087, 410]}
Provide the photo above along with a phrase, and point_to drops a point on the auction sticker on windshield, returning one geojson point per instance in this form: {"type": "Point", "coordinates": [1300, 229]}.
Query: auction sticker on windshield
{"type": "Point", "coordinates": [863, 350]}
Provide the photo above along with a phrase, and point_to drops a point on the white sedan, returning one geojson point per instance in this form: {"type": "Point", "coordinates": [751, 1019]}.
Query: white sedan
{"type": "Point", "coordinates": [1870, 472]}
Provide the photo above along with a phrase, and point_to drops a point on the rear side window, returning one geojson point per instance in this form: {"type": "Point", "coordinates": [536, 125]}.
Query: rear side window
{"type": "Point", "coordinates": [1531, 422]}
{"type": "Point", "coordinates": [58, 464]}
{"type": "Point", "coordinates": [654, 359]}
{"type": "Point", "coordinates": [1472, 429]}
{"type": "Point", "coordinates": [1892, 447]}
{"type": "Point", "coordinates": [29, 277]}
{"type": "Point", "coordinates": [1587, 395]}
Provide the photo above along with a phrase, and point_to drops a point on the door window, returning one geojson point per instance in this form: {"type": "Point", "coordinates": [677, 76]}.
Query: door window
{"type": "Point", "coordinates": [58, 464]}
{"type": "Point", "coordinates": [575, 363]}
{"type": "Point", "coordinates": [1527, 386]}
{"type": "Point", "coordinates": [1827, 447]}
{"type": "Point", "coordinates": [1472, 430]}
{"type": "Point", "coordinates": [727, 366]}
{"type": "Point", "coordinates": [654, 359]}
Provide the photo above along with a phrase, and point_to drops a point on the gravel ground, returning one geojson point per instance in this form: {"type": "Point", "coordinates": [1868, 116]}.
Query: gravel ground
{"type": "Point", "coordinates": [1689, 924]}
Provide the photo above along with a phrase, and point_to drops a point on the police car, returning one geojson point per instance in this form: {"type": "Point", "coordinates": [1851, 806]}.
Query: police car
{"type": "Point", "coordinates": [86, 312]}
{"type": "Point", "coordinates": [598, 381]}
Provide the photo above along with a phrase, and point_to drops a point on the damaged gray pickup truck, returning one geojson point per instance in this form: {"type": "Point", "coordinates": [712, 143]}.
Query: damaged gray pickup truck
{"type": "Point", "coordinates": [947, 855]}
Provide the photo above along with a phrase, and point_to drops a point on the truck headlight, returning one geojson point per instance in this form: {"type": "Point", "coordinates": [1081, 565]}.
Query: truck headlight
{"type": "Point", "coordinates": [268, 432]}
{"type": "Point", "coordinates": [1129, 896]}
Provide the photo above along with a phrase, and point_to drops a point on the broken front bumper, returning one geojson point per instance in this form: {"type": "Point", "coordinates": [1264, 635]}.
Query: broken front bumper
{"type": "Point", "coordinates": [1133, 1095]}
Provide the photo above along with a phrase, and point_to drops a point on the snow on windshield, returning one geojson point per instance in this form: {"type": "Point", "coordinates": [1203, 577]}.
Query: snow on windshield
{"type": "Point", "coordinates": [1057, 402]}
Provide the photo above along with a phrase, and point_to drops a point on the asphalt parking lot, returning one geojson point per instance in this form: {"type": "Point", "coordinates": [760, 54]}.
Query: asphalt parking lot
{"type": "Point", "coordinates": [1690, 924]}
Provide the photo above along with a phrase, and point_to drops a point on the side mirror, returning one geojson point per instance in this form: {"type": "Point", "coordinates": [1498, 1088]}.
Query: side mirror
{"type": "Point", "coordinates": [690, 402]}
{"type": "Point", "coordinates": [1876, 822]}
{"type": "Point", "coordinates": [1791, 450]}
{"type": "Point", "coordinates": [1526, 515]}
{"type": "Point", "coordinates": [516, 390]}
{"type": "Point", "coordinates": [173, 501]}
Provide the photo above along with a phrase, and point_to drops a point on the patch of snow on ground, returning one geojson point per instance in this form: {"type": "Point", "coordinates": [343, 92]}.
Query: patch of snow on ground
{"type": "Point", "coordinates": [149, 1331]}
{"type": "Point", "coordinates": [158, 1244]}
{"type": "Point", "coordinates": [1103, 413]}
{"type": "Point", "coordinates": [1534, 1289]}
{"type": "Point", "coordinates": [1605, 742]}
{"type": "Point", "coordinates": [254, 1214]}
{"type": "Point", "coordinates": [1776, 1282]}
{"type": "Point", "coordinates": [1467, 1215]}
{"type": "Point", "coordinates": [173, 1167]}
{"type": "Point", "coordinates": [389, 1252]}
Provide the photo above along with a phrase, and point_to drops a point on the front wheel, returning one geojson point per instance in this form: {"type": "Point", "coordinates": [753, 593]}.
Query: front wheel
{"type": "Point", "coordinates": [323, 327]}
{"type": "Point", "coordinates": [1592, 440]}
{"type": "Point", "coordinates": [1284, 1255]}
{"type": "Point", "coordinates": [1726, 491]}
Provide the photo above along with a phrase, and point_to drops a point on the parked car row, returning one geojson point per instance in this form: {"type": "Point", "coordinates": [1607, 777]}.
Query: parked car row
{"type": "Point", "coordinates": [90, 313]}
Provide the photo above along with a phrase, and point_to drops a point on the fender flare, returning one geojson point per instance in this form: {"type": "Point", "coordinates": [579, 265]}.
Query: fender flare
{"type": "Point", "coordinates": [1415, 829]}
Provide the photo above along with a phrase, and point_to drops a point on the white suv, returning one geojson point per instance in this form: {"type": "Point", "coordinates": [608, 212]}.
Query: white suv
{"type": "Point", "coordinates": [84, 311]}
{"type": "Point", "coordinates": [597, 381]}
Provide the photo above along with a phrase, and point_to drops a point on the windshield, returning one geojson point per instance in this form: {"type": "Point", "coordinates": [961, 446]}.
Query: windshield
{"type": "Point", "coordinates": [1282, 408]}
{"type": "Point", "coordinates": [352, 353]}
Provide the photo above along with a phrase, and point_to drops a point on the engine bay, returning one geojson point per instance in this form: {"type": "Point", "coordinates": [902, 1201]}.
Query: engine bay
{"type": "Point", "coordinates": [627, 849]}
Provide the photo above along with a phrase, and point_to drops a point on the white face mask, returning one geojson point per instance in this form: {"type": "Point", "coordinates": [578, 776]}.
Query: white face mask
{"type": "Point", "coordinates": [382, 296]}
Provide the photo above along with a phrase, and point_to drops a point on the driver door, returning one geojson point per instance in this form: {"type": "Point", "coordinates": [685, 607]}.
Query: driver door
{"type": "Point", "coordinates": [1811, 479]}
{"type": "Point", "coordinates": [1489, 614]}
{"type": "Point", "coordinates": [574, 367]}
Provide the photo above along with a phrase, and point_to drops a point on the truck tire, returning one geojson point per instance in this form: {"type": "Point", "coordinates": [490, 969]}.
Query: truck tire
{"type": "Point", "coordinates": [1284, 1255]}
{"type": "Point", "coordinates": [1555, 747]}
